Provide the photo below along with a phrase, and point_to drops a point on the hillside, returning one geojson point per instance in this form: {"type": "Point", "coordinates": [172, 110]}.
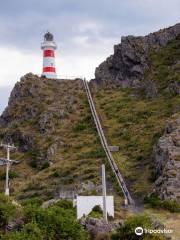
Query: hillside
{"type": "Point", "coordinates": [135, 125]}
{"type": "Point", "coordinates": [136, 94]}
{"type": "Point", "coordinates": [136, 108]}
{"type": "Point", "coordinates": [50, 123]}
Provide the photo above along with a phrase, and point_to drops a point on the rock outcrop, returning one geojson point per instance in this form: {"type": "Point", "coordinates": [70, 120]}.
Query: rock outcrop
{"type": "Point", "coordinates": [36, 106]}
{"type": "Point", "coordinates": [126, 67]}
{"type": "Point", "coordinates": [50, 124]}
{"type": "Point", "coordinates": [95, 226]}
{"type": "Point", "coordinates": [167, 160]}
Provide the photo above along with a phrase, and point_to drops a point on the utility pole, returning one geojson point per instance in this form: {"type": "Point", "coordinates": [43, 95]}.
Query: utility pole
{"type": "Point", "coordinates": [8, 148]}
{"type": "Point", "coordinates": [104, 192]}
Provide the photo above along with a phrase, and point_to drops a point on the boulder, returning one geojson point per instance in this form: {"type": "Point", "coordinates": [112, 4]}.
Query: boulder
{"type": "Point", "coordinates": [96, 226]}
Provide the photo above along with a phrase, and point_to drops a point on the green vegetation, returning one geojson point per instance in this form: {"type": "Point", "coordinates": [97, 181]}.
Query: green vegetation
{"type": "Point", "coordinates": [62, 149]}
{"type": "Point", "coordinates": [98, 153]}
{"type": "Point", "coordinates": [165, 64]}
{"type": "Point", "coordinates": [32, 201]}
{"type": "Point", "coordinates": [55, 222]}
{"type": "Point", "coordinates": [12, 174]}
{"type": "Point", "coordinates": [127, 230]}
{"type": "Point", "coordinates": [96, 212]}
{"type": "Point", "coordinates": [62, 118]}
{"type": "Point", "coordinates": [135, 125]}
{"type": "Point", "coordinates": [155, 202]}
{"type": "Point", "coordinates": [7, 210]}
{"type": "Point", "coordinates": [44, 165]}
{"type": "Point", "coordinates": [85, 123]}
{"type": "Point", "coordinates": [58, 221]}
{"type": "Point", "coordinates": [30, 231]}
{"type": "Point", "coordinates": [171, 205]}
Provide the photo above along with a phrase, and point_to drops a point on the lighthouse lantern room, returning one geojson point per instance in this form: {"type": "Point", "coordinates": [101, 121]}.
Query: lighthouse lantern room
{"type": "Point", "coordinates": [49, 47]}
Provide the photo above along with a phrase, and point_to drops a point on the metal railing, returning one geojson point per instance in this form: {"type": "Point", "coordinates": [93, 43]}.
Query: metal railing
{"type": "Point", "coordinates": [64, 77]}
{"type": "Point", "coordinates": [104, 143]}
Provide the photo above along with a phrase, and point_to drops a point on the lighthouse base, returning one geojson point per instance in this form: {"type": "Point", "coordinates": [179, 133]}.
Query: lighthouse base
{"type": "Point", "coordinates": [49, 75]}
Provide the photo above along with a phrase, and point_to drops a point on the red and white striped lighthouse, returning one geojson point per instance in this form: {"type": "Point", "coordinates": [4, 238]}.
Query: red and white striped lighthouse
{"type": "Point", "coordinates": [49, 47]}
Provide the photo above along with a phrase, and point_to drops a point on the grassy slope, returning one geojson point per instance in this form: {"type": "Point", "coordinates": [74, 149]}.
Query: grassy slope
{"type": "Point", "coordinates": [136, 123]}
{"type": "Point", "coordinates": [165, 65]}
{"type": "Point", "coordinates": [170, 220]}
{"type": "Point", "coordinates": [77, 160]}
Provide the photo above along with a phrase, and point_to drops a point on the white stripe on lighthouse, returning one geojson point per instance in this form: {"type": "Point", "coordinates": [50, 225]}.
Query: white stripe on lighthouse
{"type": "Point", "coordinates": [48, 62]}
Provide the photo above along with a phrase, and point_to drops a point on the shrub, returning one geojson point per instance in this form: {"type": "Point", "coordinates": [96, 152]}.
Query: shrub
{"type": "Point", "coordinates": [33, 163]}
{"type": "Point", "coordinates": [139, 158]}
{"type": "Point", "coordinates": [96, 212]}
{"type": "Point", "coordinates": [56, 174]}
{"type": "Point", "coordinates": [29, 232]}
{"type": "Point", "coordinates": [98, 153]}
{"type": "Point", "coordinates": [155, 202]}
{"type": "Point", "coordinates": [171, 205]}
{"type": "Point", "coordinates": [53, 223]}
{"type": "Point", "coordinates": [12, 174]}
{"type": "Point", "coordinates": [80, 126]}
{"type": "Point", "coordinates": [44, 165]}
{"type": "Point", "coordinates": [56, 222]}
{"type": "Point", "coordinates": [97, 208]}
{"type": "Point", "coordinates": [127, 230]}
{"type": "Point", "coordinates": [65, 204]}
{"type": "Point", "coordinates": [32, 201]}
{"type": "Point", "coordinates": [68, 180]}
{"type": "Point", "coordinates": [7, 210]}
{"type": "Point", "coordinates": [86, 123]}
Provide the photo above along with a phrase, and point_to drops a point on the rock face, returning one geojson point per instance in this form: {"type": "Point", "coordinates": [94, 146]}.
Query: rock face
{"type": "Point", "coordinates": [96, 226]}
{"type": "Point", "coordinates": [50, 124]}
{"type": "Point", "coordinates": [167, 159]}
{"type": "Point", "coordinates": [126, 67]}
{"type": "Point", "coordinates": [70, 192]}
{"type": "Point", "coordinates": [36, 106]}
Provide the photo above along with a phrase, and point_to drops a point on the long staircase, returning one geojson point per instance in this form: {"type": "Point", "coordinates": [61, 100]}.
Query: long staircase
{"type": "Point", "coordinates": [104, 143]}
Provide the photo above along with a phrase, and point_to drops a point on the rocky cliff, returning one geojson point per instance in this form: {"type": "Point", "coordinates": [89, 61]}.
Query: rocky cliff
{"type": "Point", "coordinates": [133, 60]}
{"type": "Point", "coordinates": [40, 103]}
{"type": "Point", "coordinates": [167, 161]}
{"type": "Point", "coordinates": [138, 93]}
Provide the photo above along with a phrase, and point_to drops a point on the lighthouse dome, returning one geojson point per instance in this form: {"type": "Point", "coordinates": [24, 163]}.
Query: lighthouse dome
{"type": "Point", "coordinates": [48, 41]}
{"type": "Point", "coordinates": [48, 36]}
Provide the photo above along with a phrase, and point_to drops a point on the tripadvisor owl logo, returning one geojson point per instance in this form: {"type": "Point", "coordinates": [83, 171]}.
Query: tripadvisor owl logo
{"type": "Point", "coordinates": [139, 231]}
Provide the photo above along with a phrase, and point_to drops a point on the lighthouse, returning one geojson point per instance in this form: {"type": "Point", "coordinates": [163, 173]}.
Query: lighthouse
{"type": "Point", "coordinates": [49, 47]}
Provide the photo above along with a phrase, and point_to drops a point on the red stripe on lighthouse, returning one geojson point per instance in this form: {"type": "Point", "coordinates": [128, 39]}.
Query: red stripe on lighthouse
{"type": "Point", "coordinates": [48, 53]}
{"type": "Point", "coordinates": [49, 69]}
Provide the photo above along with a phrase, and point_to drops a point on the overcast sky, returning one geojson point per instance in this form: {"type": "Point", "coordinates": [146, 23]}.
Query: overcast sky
{"type": "Point", "coordinates": [84, 30]}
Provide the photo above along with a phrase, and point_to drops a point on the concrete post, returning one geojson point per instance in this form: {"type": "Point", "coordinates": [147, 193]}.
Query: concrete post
{"type": "Point", "coordinates": [7, 172]}
{"type": "Point", "coordinates": [104, 192]}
